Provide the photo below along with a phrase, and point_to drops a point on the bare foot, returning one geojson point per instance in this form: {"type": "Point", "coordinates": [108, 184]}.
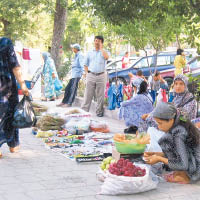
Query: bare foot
{"type": "Point", "coordinates": [14, 149]}
{"type": "Point", "coordinates": [1, 155]}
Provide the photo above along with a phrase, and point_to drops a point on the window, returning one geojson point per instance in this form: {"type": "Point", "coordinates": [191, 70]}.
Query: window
{"type": "Point", "coordinates": [144, 63]}
{"type": "Point", "coordinates": [115, 65]}
{"type": "Point", "coordinates": [163, 60]}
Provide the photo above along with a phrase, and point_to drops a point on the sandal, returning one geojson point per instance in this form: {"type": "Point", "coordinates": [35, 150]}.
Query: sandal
{"type": "Point", "coordinates": [1, 155]}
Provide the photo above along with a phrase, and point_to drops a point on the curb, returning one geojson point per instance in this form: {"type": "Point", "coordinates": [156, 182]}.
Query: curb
{"type": "Point", "coordinates": [107, 113]}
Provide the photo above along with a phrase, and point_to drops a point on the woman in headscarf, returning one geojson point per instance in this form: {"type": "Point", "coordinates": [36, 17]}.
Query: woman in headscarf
{"type": "Point", "coordinates": [50, 75]}
{"type": "Point", "coordinates": [132, 110]}
{"type": "Point", "coordinates": [183, 99]}
{"type": "Point", "coordinates": [10, 70]}
{"type": "Point", "coordinates": [180, 145]}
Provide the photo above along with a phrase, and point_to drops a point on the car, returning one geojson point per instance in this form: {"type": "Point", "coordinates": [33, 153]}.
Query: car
{"type": "Point", "coordinates": [192, 67]}
{"type": "Point", "coordinates": [165, 63]}
{"type": "Point", "coordinates": [117, 64]}
{"type": "Point", "coordinates": [147, 64]}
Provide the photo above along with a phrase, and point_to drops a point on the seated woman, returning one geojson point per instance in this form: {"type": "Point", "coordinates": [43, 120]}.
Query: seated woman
{"type": "Point", "coordinates": [132, 110]}
{"type": "Point", "coordinates": [183, 100]}
{"type": "Point", "coordinates": [180, 145]}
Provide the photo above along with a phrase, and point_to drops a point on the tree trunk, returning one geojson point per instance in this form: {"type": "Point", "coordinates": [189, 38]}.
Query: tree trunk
{"type": "Point", "coordinates": [60, 18]}
{"type": "Point", "coordinates": [178, 41]}
{"type": "Point", "coordinates": [5, 27]}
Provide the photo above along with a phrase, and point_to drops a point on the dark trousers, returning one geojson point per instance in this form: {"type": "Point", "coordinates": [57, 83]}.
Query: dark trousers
{"type": "Point", "coordinates": [70, 91]}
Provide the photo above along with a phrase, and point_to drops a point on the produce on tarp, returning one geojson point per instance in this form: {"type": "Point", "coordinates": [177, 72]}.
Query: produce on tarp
{"type": "Point", "coordinates": [49, 122]}
{"type": "Point", "coordinates": [73, 111]}
{"type": "Point", "coordinates": [98, 126]}
{"type": "Point", "coordinates": [44, 134]}
{"type": "Point", "coordinates": [38, 108]}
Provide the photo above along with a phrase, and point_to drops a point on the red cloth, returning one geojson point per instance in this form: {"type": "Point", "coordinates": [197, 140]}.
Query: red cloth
{"type": "Point", "coordinates": [128, 91]}
{"type": "Point", "coordinates": [106, 91]}
{"type": "Point", "coordinates": [164, 95]}
{"type": "Point", "coordinates": [26, 54]}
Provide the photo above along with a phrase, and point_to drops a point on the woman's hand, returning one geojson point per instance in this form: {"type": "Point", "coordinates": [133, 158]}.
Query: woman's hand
{"type": "Point", "coordinates": [147, 154]}
{"type": "Point", "coordinates": [53, 75]}
{"type": "Point", "coordinates": [24, 89]}
{"type": "Point", "coordinates": [145, 116]}
{"type": "Point", "coordinates": [152, 159]}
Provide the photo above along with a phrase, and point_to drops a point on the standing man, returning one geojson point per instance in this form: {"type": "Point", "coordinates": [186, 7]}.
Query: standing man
{"type": "Point", "coordinates": [94, 64]}
{"type": "Point", "coordinates": [77, 70]}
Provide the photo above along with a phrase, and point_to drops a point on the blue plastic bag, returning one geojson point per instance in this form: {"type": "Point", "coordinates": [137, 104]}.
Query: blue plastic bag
{"type": "Point", "coordinates": [58, 84]}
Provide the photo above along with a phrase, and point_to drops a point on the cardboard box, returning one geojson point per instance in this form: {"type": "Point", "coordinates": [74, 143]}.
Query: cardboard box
{"type": "Point", "coordinates": [116, 155]}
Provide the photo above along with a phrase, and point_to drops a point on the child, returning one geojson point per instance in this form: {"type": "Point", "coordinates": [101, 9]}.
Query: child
{"type": "Point", "coordinates": [180, 145]}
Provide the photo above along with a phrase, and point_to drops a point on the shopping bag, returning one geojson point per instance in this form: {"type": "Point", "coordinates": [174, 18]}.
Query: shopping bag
{"type": "Point", "coordinates": [24, 115]}
{"type": "Point", "coordinates": [58, 84]}
{"type": "Point", "coordinates": [121, 185]}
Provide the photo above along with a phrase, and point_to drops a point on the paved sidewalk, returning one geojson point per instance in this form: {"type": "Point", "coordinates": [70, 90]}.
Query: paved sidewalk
{"type": "Point", "coordinates": [37, 173]}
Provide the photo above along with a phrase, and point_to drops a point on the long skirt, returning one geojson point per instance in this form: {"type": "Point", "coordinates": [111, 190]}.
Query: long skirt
{"type": "Point", "coordinates": [8, 102]}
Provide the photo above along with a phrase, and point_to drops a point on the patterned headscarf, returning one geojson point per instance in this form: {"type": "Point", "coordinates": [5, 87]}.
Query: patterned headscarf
{"type": "Point", "coordinates": [181, 98]}
{"type": "Point", "coordinates": [136, 82]}
{"type": "Point", "coordinates": [182, 78]}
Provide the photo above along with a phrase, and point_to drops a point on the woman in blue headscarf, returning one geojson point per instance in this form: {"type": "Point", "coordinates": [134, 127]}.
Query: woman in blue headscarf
{"type": "Point", "coordinates": [50, 75]}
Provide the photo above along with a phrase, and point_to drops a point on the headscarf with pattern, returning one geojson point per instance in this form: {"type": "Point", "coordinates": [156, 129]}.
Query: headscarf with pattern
{"type": "Point", "coordinates": [181, 99]}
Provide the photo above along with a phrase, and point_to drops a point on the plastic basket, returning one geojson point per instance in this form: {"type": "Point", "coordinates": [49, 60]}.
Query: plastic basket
{"type": "Point", "coordinates": [130, 148]}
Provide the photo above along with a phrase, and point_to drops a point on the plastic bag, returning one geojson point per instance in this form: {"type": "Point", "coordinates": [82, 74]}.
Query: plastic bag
{"type": "Point", "coordinates": [101, 175]}
{"type": "Point", "coordinates": [58, 84]}
{"type": "Point", "coordinates": [155, 135]}
{"type": "Point", "coordinates": [97, 126]}
{"type": "Point", "coordinates": [24, 115]}
{"type": "Point", "coordinates": [77, 126]}
{"type": "Point", "coordinates": [116, 185]}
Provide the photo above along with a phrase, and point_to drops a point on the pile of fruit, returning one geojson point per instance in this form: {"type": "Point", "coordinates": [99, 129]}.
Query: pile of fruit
{"type": "Point", "coordinates": [106, 163]}
{"type": "Point", "coordinates": [132, 139]}
{"type": "Point", "coordinates": [126, 168]}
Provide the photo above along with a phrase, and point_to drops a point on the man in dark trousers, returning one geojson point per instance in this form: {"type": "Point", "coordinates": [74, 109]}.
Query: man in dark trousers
{"type": "Point", "coordinates": [77, 70]}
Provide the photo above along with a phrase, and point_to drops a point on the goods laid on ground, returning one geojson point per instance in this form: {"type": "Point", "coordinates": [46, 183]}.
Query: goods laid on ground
{"type": "Point", "coordinates": [97, 126]}
{"type": "Point", "coordinates": [87, 147]}
{"type": "Point", "coordinates": [39, 109]}
{"type": "Point", "coordinates": [76, 113]}
{"type": "Point", "coordinates": [49, 122]}
{"type": "Point", "coordinates": [77, 125]}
